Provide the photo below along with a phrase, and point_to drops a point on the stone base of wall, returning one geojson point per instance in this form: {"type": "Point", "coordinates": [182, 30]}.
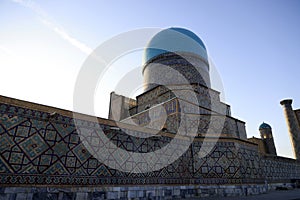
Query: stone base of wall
{"type": "Point", "coordinates": [133, 193]}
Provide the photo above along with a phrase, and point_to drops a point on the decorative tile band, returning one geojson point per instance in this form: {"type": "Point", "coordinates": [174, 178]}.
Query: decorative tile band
{"type": "Point", "coordinates": [38, 149]}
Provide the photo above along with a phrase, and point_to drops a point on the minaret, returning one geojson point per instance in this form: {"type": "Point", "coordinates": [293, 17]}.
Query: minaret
{"type": "Point", "coordinates": [293, 125]}
{"type": "Point", "coordinates": [267, 138]}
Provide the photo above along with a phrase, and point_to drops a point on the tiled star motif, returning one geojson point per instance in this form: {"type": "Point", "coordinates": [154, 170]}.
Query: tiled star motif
{"type": "Point", "coordinates": [34, 146]}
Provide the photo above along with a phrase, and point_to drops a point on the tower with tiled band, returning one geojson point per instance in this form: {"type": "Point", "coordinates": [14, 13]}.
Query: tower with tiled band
{"type": "Point", "coordinates": [267, 138]}
{"type": "Point", "coordinates": [293, 125]}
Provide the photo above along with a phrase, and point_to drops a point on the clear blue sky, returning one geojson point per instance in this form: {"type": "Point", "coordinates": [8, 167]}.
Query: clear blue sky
{"type": "Point", "coordinates": [255, 46]}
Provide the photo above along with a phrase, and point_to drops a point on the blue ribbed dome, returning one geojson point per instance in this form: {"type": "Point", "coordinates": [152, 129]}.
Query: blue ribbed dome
{"type": "Point", "coordinates": [174, 40]}
{"type": "Point", "coordinates": [264, 126]}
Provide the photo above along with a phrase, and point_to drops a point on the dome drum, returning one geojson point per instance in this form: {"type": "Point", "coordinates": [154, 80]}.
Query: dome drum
{"type": "Point", "coordinates": [175, 56]}
{"type": "Point", "coordinates": [172, 69]}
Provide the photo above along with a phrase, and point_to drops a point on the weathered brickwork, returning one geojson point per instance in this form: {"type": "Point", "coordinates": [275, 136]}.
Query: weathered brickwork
{"type": "Point", "coordinates": [205, 96]}
{"type": "Point", "coordinates": [298, 115]}
{"type": "Point", "coordinates": [153, 118]}
{"type": "Point", "coordinates": [132, 192]}
{"type": "Point", "coordinates": [293, 125]}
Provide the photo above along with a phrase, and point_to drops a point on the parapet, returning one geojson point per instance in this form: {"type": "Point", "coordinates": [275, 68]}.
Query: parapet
{"type": "Point", "coordinates": [286, 102]}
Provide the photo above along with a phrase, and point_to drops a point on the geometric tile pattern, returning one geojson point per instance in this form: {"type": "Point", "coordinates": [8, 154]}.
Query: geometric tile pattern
{"type": "Point", "coordinates": [36, 150]}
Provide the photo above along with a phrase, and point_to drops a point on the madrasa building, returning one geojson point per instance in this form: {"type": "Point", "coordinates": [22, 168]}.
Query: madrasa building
{"type": "Point", "coordinates": [175, 140]}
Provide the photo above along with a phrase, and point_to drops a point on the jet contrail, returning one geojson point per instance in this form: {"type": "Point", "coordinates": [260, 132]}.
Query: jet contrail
{"type": "Point", "coordinates": [46, 20]}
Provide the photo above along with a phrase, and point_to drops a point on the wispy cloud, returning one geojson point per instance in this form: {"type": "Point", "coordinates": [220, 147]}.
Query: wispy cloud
{"type": "Point", "coordinates": [84, 48]}
{"type": "Point", "coordinates": [46, 20]}
{"type": "Point", "coordinates": [64, 35]}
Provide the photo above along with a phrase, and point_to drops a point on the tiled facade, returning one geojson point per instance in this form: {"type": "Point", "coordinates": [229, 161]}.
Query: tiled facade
{"type": "Point", "coordinates": [170, 68]}
{"type": "Point", "coordinates": [39, 150]}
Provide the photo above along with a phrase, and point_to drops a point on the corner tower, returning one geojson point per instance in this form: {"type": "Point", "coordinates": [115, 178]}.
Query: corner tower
{"type": "Point", "coordinates": [267, 138]}
{"type": "Point", "coordinates": [293, 125]}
